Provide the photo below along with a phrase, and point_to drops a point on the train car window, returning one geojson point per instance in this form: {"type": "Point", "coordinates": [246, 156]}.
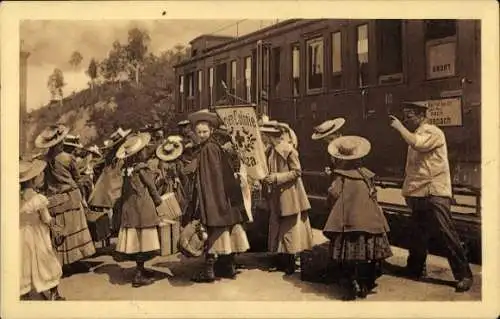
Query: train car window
{"type": "Point", "coordinates": [190, 87]}
{"type": "Point", "coordinates": [276, 62]}
{"type": "Point", "coordinates": [233, 77]}
{"type": "Point", "coordinates": [200, 81]}
{"type": "Point", "coordinates": [389, 50]}
{"type": "Point", "coordinates": [199, 88]}
{"type": "Point", "coordinates": [315, 63]}
{"type": "Point", "coordinates": [211, 86]}
{"type": "Point", "coordinates": [220, 75]}
{"type": "Point", "coordinates": [440, 45]}
{"type": "Point", "coordinates": [362, 52]}
{"type": "Point", "coordinates": [336, 60]}
{"type": "Point", "coordinates": [296, 69]}
{"type": "Point", "coordinates": [181, 93]}
{"type": "Point", "coordinates": [248, 78]}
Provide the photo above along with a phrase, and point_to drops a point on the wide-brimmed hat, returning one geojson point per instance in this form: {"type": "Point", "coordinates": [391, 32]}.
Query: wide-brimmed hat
{"type": "Point", "coordinates": [183, 123]}
{"type": "Point", "coordinates": [169, 151]}
{"type": "Point", "coordinates": [134, 143]}
{"type": "Point", "coordinates": [30, 169]}
{"type": "Point", "coordinates": [326, 128]}
{"type": "Point", "coordinates": [176, 138]}
{"type": "Point", "coordinates": [206, 116]}
{"type": "Point", "coordinates": [118, 136]}
{"type": "Point", "coordinates": [51, 136]}
{"type": "Point", "coordinates": [271, 127]}
{"type": "Point", "coordinates": [73, 141]}
{"type": "Point", "coordinates": [349, 147]}
{"type": "Point", "coordinates": [94, 149]}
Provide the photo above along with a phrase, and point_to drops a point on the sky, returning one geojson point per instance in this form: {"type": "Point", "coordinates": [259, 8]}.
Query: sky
{"type": "Point", "coordinates": [51, 43]}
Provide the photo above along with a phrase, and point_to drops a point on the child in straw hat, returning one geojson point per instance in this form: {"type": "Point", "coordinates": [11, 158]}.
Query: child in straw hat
{"type": "Point", "coordinates": [40, 268]}
{"type": "Point", "coordinates": [138, 238]}
{"type": "Point", "coordinates": [170, 167]}
{"type": "Point", "coordinates": [356, 226]}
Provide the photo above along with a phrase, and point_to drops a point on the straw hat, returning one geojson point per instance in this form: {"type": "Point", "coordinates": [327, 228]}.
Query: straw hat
{"type": "Point", "coordinates": [326, 128]}
{"type": "Point", "coordinates": [176, 138]}
{"type": "Point", "coordinates": [204, 115]}
{"type": "Point", "coordinates": [349, 147]}
{"type": "Point", "coordinates": [272, 127]}
{"type": "Point", "coordinates": [133, 144]}
{"type": "Point", "coordinates": [118, 136]}
{"type": "Point", "coordinates": [30, 169]}
{"type": "Point", "coordinates": [94, 149]}
{"type": "Point", "coordinates": [183, 123]}
{"type": "Point", "coordinates": [51, 136]}
{"type": "Point", "coordinates": [73, 141]}
{"type": "Point", "coordinates": [169, 151]}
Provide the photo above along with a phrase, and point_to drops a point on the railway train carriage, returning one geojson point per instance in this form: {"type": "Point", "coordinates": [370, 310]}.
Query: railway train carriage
{"type": "Point", "coordinates": [305, 71]}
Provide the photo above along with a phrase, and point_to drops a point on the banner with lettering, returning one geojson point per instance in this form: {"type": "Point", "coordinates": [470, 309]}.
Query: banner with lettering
{"type": "Point", "coordinates": [242, 124]}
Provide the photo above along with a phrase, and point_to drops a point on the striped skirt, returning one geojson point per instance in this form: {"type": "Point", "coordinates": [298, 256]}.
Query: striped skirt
{"type": "Point", "coordinates": [78, 243]}
{"type": "Point", "coordinates": [359, 246]}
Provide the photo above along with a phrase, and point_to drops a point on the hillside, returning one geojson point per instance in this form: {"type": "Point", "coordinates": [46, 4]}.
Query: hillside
{"type": "Point", "coordinates": [95, 113]}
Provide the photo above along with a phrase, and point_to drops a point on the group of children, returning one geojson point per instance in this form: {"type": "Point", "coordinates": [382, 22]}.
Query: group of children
{"type": "Point", "coordinates": [202, 168]}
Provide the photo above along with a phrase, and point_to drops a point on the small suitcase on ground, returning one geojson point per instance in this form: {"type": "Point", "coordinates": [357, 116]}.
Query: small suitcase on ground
{"type": "Point", "coordinates": [99, 225]}
{"type": "Point", "coordinates": [316, 265]}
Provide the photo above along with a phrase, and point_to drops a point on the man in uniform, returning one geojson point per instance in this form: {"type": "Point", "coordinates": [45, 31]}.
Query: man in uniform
{"type": "Point", "coordinates": [428, 192]}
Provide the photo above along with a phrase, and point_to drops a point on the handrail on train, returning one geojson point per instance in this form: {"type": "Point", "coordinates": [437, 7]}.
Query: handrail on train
{"type": "Point", "coordinates": [397, 182]}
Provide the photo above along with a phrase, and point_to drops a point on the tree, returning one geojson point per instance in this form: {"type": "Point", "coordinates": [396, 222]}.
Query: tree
{"type": "Point", "coordinates": [115, 63]}
{"type": "Point", "coordinates": [92, 71]}
{"type": "Point", "coordinates": [55, 84]}
{"type": "Point", "coordinates": [76, 59]}
{"type": "Point", "coordinates": [137, 49]}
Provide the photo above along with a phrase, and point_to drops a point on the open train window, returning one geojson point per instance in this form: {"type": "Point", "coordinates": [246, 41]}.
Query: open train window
{"type": "Point", "coordinates": [199, 87]}
{"type": "Point", "coordinates": [248, 78]}
{"type": "Point", "coordinates": [276, 65]}
{"type": "Point", "coordinates": [296, 69]}
{"type": "Point", "coordinates": [389, 51]}
{"type": "Point", "coordinates": [336, 60]}
{"type": "Point", "coordinates": [211, 86]}
{"type": "Point", "coordinates": [362, 52]}
{"type": "Point", "coordinates": [315, 64]}
{"type": "Point", "coordinates": [190, 85]}
{"type": "Point", "coordinates": [181, 93]}
{"type": "Point", "coordinates": [440, 48]}
{"type": "Point", "coordinates": [232, 85]}
{"type": "Point", "coordinates": [220, 75]}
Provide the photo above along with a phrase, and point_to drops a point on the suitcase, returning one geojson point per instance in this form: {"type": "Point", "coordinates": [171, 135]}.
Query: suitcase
{"type": "Point", "coordinates": [99, 225]}
{"type": "Point", "coordinates": [169, 238]}
{"type": "Point", "coordinates": [317, 266]}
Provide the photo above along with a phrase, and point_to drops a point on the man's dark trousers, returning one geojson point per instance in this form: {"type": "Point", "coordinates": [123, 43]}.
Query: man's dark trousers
{"type": "Point", "coordinates": [432, 224]}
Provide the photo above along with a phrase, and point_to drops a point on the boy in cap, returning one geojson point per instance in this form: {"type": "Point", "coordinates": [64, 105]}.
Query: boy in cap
{"type": "Point", "coordinates": [428, 192]}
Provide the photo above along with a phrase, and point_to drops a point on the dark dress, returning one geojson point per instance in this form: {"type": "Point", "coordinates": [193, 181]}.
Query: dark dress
{"type": "Point", "coordinates": [219, 201]}
{"type": "Point", "coordinates": [356, 226]}
{"type": "Point", "coordinates": [138, 234]}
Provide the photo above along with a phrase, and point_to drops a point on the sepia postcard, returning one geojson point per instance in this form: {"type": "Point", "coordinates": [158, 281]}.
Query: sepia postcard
{"type": "Point", "coordinates": [250, 159]}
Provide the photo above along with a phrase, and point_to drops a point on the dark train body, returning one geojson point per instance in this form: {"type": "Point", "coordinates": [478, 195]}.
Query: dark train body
{"type": "Point", "coordinates": [306, 71]}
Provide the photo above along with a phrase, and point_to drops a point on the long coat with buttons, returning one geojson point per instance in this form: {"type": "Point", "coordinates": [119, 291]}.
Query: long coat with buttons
{"type": "Point", "coordinates": [140, 198]}
{"type": "Point", "coordinates": [287, 193]}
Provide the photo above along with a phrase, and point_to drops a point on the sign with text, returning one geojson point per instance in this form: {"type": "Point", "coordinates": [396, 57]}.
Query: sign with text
{"type": "Point", "coordinates": [444, 112]}
{"type": "Point", "coordinates": [441, 60]}
{"type": "Point", "coordinates": [242, 124]}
